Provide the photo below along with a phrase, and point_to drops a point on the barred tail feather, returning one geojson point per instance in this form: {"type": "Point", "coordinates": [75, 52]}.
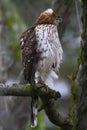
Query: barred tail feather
{"type": "Point", "coordinates": [34, 105]}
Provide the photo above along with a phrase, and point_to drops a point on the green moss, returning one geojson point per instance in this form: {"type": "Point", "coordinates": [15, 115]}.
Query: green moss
{"type": "Point", "coordinates": [74, 101]}
{"type": "Point", "coordinates": [74, 91]}
{"type": "Point", "coordinates": [74, 94]}
{"type": "Point", "coordinates": [28, 87]}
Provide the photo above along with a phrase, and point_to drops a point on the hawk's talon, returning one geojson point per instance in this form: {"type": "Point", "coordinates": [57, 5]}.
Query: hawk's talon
{"type": "Point", "coordinates": [46, 87]}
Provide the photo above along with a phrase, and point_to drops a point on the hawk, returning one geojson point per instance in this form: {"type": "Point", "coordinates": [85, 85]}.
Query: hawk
{"type": "Point", "coordinates": [41, 54]}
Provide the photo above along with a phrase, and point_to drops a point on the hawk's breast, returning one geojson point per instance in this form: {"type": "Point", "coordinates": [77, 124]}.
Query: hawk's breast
{"type": "Point", "coordinates": [49, 46]}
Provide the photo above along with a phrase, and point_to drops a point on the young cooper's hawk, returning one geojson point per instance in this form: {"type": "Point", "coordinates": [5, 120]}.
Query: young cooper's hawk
{"type": "Point", "coordinates": [41, 54]}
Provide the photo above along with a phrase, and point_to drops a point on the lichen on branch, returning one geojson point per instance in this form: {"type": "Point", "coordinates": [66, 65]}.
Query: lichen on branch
{"type": "Point", "coordinates": [47, 97]}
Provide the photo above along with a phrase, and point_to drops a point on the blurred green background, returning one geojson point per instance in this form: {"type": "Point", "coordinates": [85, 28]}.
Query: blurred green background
{"type": "Point", "coordinates": [15, 17]}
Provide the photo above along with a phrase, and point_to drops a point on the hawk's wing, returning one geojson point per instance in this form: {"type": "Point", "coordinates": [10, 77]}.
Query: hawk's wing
{"type": "Point", "coordinates": [29, 57]}
{"type": "Point", "coordinates": [28, 48]}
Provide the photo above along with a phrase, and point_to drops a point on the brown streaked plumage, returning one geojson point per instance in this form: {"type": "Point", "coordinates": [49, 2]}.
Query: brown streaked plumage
{"type": "Point", "coordinates": [41, 54]}
{"type": "Point", "coordinates": [28, 52]}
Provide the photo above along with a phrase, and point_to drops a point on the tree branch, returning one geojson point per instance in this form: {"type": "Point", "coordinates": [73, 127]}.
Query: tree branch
{"type": "Point", "coordinates": [48, 100]}
{"type": "Point", "coordinates": [14, 90]}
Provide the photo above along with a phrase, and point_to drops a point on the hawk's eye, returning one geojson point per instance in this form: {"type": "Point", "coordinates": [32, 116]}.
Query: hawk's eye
{"type": "Point", "coordinates": [59, 18]}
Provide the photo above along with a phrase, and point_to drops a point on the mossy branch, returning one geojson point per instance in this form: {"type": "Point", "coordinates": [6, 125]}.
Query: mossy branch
{"type": "Point", "coordinates": [47, 97]}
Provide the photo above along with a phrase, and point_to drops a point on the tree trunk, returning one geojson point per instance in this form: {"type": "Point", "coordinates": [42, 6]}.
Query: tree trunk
{"type": "Point", "coordinates": [82, 95]}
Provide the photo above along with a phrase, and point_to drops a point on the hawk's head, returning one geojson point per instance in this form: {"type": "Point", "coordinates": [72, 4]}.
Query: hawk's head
{"type": "Point", "coordinates": [49, 16]}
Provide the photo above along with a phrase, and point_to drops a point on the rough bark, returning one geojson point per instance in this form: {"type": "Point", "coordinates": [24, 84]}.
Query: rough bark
{"type": "Point", "coordinates": [82, 103]}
